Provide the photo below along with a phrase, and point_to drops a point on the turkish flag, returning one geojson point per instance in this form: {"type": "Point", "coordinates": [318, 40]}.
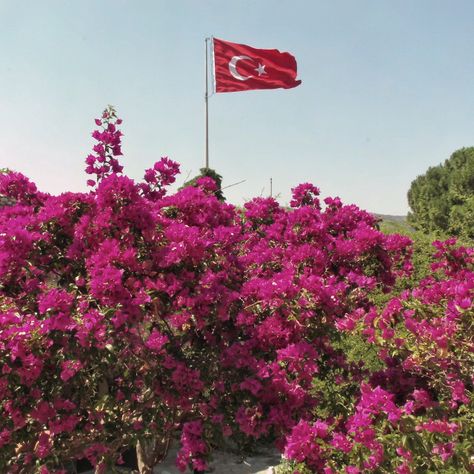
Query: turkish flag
{"type": "Point", "coordinates": [238, 67]}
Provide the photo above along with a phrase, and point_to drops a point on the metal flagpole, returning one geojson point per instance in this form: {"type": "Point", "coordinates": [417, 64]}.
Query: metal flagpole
{"type": "Point", "coordinates": [206, 98]}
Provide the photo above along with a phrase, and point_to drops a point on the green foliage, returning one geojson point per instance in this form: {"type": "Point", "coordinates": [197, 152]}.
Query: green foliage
{"type": "Point", "coordinates": [290, 467]}
{"type": "Point", "coordinates": [423, 249]}
{"type": "Point", "coordinates": [4, 201]}
{"type": "Point", "coordinates": [422, 258]}
{"type": "Point", "coordinates": [442, 200]}
{"type": "Point", "coordinates": [209, 173]}
{"type": "Point", "coordinates": [394, 225]}
{"type": "Point", "coordinates": [360, 352]}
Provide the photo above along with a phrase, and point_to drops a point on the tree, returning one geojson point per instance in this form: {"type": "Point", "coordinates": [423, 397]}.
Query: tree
{"type": "Point", "coordinates": [208, 173]}
{"type": "Point", "coordinates": [442, 200]}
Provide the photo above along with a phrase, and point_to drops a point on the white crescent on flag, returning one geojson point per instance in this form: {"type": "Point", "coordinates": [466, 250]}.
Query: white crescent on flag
{"type": "Point", "coordinates": [233, 68]}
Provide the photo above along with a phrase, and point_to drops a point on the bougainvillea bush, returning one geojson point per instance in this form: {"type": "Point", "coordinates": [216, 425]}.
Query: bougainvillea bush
{"type": "Point", "coordinates": [131, 317]}
{"type": "Point", "coordinates": [416, 414]}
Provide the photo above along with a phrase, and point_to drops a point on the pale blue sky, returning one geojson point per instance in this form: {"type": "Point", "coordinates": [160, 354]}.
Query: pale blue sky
{"type": "Point", "coordinates": [387, 91]}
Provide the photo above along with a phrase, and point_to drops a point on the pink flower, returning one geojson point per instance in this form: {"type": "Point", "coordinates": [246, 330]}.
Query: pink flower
{"type": "Point", "coordinates": [438, 426]}
{"type": "Point", "coordinates": [404, 453]}
{"type": "Point", "coordinates": [137, 425]}
{"type": "Point", "coordinates": [305, 195]}
{"type": "Point", "coordinates": [352, 470]}
{"type": "Point", "coordinates": [423, 398]}
{"type": "Point", "coordinates": [5, 437]}
{"type": "Point", "coordinates": [252, 385]}
{"type": "Point", "coordinates": [43, 447]}
{"type": "Point", "coordinates": [43, 412]}
{"type": "Point", "coordinates": [340, 442]}
{"type": "Point", "coordinates": [403, 468]}
{"type": "Point", "coordinates": [302, 445]}
{"type": "Point", "coordinates": [156, 341]}
{"type": "Point", "coordinates": [69, 368]}
{"type": "Point", "coordinates": [444, 450]}
{"type": "Point", "coordinates": [458, 391]}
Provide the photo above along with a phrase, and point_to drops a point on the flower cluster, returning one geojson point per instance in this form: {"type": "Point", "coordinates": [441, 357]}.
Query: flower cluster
{"type": "Point", "coordinates": [416, 412]}
{"type": "Point", "coordinates": [129, 315]}
{"type": "Point", "coordinates": [103, 162]}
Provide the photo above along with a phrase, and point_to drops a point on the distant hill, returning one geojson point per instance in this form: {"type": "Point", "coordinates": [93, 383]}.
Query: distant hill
{"type": "Point", "coordinates": [388, 217]}
{"type": "Point", "coordinates": [394, 224]}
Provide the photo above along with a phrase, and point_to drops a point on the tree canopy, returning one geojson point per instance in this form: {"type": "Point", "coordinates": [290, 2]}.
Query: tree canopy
{"type": "Point", "coordinates": [442, 199]}
{"type": "Point", "coordinates": [208, 173]}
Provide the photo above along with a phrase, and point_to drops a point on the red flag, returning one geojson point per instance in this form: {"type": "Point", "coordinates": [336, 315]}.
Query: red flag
{"type": "Point", "coordinates": [239, 67]}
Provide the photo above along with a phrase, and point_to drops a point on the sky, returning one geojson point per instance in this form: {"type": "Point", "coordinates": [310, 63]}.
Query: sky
{"type": "Point", "coordinates": [387, 91]}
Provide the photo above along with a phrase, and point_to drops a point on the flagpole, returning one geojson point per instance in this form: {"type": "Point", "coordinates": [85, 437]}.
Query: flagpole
{"type": "Point", "coordinates": [206, 99]}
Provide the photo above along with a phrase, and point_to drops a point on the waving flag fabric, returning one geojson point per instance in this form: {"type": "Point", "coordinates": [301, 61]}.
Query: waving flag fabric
{"type": "Point", "coordinates": [238, 67]}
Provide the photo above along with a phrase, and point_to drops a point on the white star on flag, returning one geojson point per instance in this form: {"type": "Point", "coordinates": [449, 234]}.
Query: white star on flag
{"type": "Point", "coordinates": [260, 69]}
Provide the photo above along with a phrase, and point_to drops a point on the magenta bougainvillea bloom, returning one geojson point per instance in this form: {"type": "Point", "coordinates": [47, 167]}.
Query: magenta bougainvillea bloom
{"type": "Point", "coordinates": [128, 313]}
